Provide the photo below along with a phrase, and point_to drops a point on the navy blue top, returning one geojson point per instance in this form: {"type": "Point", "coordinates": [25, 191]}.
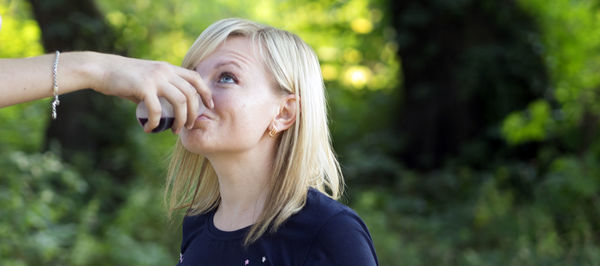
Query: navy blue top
{"type": "Point", "coordinates": [324, 232]}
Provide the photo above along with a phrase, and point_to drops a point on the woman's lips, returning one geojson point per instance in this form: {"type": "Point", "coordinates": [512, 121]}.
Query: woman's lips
{"type": "Point", "coordinates": [200, 119]}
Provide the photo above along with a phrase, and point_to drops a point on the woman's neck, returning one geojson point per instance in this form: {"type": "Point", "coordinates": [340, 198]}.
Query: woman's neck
{"type": "Point", "coordinates": [243, 185]}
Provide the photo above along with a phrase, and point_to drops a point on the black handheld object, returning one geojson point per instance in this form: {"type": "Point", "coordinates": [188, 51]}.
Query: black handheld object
{"type": "Point", "coordinates": [166, 118]}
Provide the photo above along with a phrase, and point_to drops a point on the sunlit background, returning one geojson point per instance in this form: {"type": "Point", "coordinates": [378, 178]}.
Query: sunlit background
{"type": "Point", "coordinates": [467, 130]}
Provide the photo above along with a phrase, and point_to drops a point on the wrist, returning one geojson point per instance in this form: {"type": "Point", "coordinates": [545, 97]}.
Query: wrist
{"type": "Point", "coordinates": [85, 70]}
{"type": "Point", "coordinates": [92, 68]}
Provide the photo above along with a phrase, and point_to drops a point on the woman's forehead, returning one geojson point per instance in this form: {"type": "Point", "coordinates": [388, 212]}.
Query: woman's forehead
{"type": "Point", "coordinates": [236, 51]}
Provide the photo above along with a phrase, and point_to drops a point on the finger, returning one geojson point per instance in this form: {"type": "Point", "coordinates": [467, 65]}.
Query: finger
{"type": "Point", "coordinates": [154, 111]}
{"type": "Point", "coordinates": [191, 96]}
{"type": "Point", "coordinates": [179, 103]}
{"type": "Point", "coordinates": [196, 80]}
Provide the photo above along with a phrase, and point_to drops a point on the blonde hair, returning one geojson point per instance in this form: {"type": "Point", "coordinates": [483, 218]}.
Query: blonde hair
{"type": "Point", "coordinates": [304, 157]}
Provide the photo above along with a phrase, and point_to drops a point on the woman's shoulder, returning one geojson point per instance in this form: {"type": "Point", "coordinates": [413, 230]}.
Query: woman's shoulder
{"type": "Point", "coordinates": [336, 229]}
{"type": "Point", "coordinates": [195, 222]}
{"type": "Point", "coordinates": [322, 207]}
{"type": "Point", "coordinates": [320, 211]}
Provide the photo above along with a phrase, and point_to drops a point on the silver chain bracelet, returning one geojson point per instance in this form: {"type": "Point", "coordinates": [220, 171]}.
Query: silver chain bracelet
{"type": "Point", "coordinates": [55, 87]}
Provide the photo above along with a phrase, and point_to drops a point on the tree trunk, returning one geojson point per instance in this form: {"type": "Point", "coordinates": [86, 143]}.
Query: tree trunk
{"type": "Point", "coordinates": [90, 126]}
{"type": "Point", "coordinates": [466, 65]}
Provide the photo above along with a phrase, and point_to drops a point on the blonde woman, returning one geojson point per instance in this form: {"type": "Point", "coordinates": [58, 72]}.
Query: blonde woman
{"type": "Point", "coordinates": [257, 173]}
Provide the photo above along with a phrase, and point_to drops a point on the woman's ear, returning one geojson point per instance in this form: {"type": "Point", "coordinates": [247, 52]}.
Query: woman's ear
{"type": "Point", "coordinates": [287, 113]}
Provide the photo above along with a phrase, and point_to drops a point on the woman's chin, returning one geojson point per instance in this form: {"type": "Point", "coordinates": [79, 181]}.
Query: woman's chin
{"type": "Point", "coordinates": [196, 143]}
{"type": "Point", "coordinates": [197, 149]}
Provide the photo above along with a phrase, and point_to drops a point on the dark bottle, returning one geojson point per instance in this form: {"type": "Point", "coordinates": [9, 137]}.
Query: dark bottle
{"type": "Point", "coordinates": [166, 118]}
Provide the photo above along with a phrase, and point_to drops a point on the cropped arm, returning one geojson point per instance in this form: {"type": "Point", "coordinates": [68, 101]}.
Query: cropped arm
{"type": "Point", "coordinates": [27, 79]}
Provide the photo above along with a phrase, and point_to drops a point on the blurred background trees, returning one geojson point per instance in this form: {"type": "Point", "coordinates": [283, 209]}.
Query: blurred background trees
{"type": "Point", "coordinates": [467, 130]}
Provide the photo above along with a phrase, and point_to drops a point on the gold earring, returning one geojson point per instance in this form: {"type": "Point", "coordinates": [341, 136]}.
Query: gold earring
{"type": "Point", "coordinates": [273, 132]}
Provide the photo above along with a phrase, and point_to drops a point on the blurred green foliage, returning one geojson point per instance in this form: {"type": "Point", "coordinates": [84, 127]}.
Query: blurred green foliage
{"type": "Point", "coordinates": [531, 201]}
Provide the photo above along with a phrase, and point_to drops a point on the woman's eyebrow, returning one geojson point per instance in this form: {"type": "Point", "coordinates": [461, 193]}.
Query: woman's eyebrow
{"type": "Point", "coordinates": [229, 62]}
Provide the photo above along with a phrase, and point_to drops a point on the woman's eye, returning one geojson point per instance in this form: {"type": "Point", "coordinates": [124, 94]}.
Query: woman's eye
{"type": "Point", "coordinates": [227, 78]}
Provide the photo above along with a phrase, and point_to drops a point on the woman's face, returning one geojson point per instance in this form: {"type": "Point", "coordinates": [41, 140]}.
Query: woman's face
{"type": "Point", "coordinates": [245, 101]}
